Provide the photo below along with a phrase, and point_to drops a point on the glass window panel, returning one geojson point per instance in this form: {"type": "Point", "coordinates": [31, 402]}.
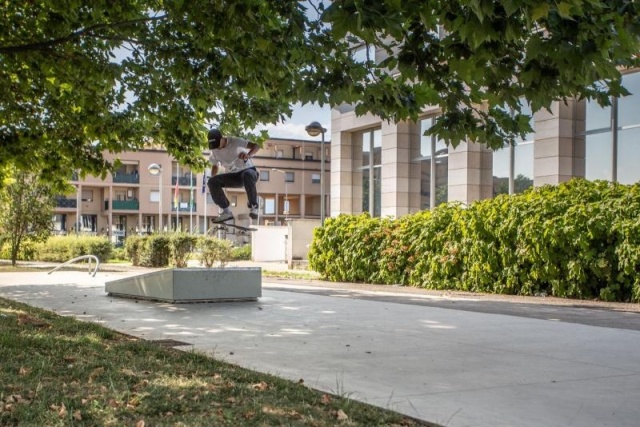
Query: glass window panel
{"type": "Point", "coordinates": [629, 106]}
{"type": "Point", "coordinates": [628, 156]}
{"type": "Point", "coordinates": [597, 117]}
{"type": "Point", "coordinates": [442, 179]}
{"type": "Point", "coordinates": [269, 206]}
{"type": "Point", "coordinates": [425, 184]}
{"type": "Point", "coordinates": [501, 171]}
{"type": "Point", "coordinates": [365, 190]}
{"type": "Point", "coordinates": [377, 188]}
{"type": "Point", "coordinates": [425, 141]}
{"type": "Point", "coordinates": [366, 148]}
{"type": "Point", "coordinates": [154, 196]}
{"type": "Point", "coordinates": [598, 156]}
{"type": "Point", "coordinates": [523, 167]}
{"type": "Point", "coordinates": [377, 147]}
{"type": "Point", "coordinates": [526, 109]}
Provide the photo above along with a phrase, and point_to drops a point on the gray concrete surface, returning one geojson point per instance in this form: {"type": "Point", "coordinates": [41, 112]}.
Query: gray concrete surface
{"type": "Point", "coordinates": [449, 359]}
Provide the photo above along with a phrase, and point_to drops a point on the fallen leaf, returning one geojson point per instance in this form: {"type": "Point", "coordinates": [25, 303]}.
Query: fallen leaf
{"type": "Point", "coordinates": [341, 416]}
{"type": "Point", "coordinates": [140, 423]}
{"type": "Point", "coordinates": [25, 319]}
{"type": "Point", "coordinates": [77, 415]}
{"type": "Point", "coordinates": [62, 413]}
{"type": "Point", "coordinates": [128, 372]}
{"type": "Point", "coordinates": [261, 386]}
{"type": "Point", "coordinates": [24, 371]}
{"type": "Point", "coordinates": [326, 399]}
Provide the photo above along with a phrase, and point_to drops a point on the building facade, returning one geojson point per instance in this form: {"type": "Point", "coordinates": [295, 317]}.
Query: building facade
{"type": "Point", "coordinates": [391, 169]}
{"type": "Point", "coordinates": [133, 201]}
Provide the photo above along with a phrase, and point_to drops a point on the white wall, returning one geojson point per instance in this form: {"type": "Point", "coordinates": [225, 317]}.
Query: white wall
{"type": "Point", "coordinates": [300, 237]}
{"type": "Point", "coordinates": [269, 243]}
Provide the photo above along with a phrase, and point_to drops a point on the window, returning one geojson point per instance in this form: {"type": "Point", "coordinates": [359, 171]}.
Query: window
{"type": "Point", "coordinates": [308, 155]}
{"type": "Point", "coordinates": [264, 175]}
{"type": "Point", "coordinates": [269, 206]}
{"type": "Point", "coordinates": [612, 136]}
{"type": "Point", "coordinates": [289, 177]}
{"type": "Point", "coordinates": [434, 167]}
{"type": "Point", "coordinates": [315, 178]}
{"type": "Point", "coordinates": [87, 195]}
{"type": "Point", "coordinates": [154, 196]}
{"type": "Point", "coordinates": [371, 143]}
{"type": "Point", "coordinates": [279, 154]}
{"type": "Point", "coordinates": [513, 165]}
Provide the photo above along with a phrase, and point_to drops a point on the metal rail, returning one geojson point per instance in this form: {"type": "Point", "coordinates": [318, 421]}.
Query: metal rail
{"type": "Point", "coordinates": [79, 258]}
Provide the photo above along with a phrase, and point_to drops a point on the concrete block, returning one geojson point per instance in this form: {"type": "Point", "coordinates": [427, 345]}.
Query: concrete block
{"type": "Point", "coordinates": [180, 285]}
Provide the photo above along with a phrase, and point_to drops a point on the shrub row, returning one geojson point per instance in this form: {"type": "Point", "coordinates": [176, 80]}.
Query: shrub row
{"type": "Point", "coordinates": [64, 248]}
{"type": "Point", "coordinates": [580, 239]}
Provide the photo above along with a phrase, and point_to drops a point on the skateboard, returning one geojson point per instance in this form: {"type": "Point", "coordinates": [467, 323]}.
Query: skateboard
{"type": "Point", "coordinates": [224, 226]}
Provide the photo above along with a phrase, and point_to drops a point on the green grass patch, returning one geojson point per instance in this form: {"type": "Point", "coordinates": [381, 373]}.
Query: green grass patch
{"type": "Point", "coordinates": [58, 371]}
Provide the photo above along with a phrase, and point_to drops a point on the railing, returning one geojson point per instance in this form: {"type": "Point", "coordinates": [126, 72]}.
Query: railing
{"type": "Point", "coordinates": [126, 178]}
{"type": "Point", "coordinates": [79, 258]}
{"type": "Point", "coordinates": [184, 181]}
{"type": "Point", "coordinates": [185, 208]}
{"type": "Point", "coordinates": [129, 205]}
{"type": "Point", "coordinates": [61, 202]}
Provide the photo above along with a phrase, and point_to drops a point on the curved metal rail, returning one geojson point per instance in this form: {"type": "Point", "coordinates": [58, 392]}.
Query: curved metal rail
{"type": "Point", "coordinates": [79, 258]}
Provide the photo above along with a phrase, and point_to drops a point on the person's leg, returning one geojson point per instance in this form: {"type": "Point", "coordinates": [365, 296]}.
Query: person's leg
{"type": "Point", "coordinates": [217, 183]}
{"type": "Point", "coordinates": [249, 180]}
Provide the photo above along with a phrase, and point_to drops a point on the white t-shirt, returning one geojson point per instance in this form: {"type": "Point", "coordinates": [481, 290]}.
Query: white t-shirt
{"type": "Point", "coordinates": [227, 157]}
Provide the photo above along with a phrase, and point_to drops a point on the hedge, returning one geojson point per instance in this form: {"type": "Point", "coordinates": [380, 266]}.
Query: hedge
{"type": "Point", "coordinates": [579, 239]}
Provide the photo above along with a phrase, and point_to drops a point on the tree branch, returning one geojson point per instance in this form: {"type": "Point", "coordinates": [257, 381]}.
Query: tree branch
{"type": "Point", "coordinates": [84, 32]}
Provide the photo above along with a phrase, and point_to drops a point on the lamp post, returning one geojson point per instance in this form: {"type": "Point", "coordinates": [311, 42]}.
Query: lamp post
{"type": "Point", "coordinates": [315, 129]}
{"type": "Point", "coordinates": [286, 192]}
{"type": "Point", "coordinates": [156, 170]}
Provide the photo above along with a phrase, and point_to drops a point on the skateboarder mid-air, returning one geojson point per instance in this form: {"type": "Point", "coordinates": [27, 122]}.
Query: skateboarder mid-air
{"type": "Point", "coordinates": [234, 154]}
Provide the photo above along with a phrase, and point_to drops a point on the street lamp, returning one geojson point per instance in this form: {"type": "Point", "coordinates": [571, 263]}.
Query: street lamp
{"type": "Point", "coordinates": [156, 170]}
{"type": "Point", "coordinates": [315, 129]}
{"type": "Point", "coordinates": [286, 193]}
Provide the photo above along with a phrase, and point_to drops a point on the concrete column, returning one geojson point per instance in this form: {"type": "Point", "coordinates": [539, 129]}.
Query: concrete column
{"type": "Point", "coordinates": [346, 188]}
{"type": "Point", "coordinates": [397, 177]}
{"type": "Point", "coordinates": [558, 153]}
{"type": "Point", "coordinates": [470, 173]}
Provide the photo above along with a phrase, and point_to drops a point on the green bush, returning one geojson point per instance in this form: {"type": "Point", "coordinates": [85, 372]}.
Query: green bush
{"type": "Point", "coordinates": [64, 248]}
{"type": "Point", "coordinates": [212, 250]}
{"type": "Point", "coordinates": [154, 251]}
{"type": "Point", "coordinates": [241, 253]}
{"type": "Point", "coordinates": [580, 239]}
{"type": "Point", "coordinates": [181, 245]}
{"type": "Point", "coordinates": [133, 248]}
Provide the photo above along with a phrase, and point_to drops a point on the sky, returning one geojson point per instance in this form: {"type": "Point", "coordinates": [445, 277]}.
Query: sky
{"type": "Point", "coordinates": [300, 118]}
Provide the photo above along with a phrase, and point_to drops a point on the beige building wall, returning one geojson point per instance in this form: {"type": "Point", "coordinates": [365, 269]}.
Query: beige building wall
{"type": "Point", "coordinates": [559, 154]}
{"type": "Point", "coordinates": [127, 202]}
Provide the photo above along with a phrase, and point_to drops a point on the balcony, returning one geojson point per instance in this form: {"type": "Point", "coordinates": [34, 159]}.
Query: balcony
{"type": "Point", "coordinates": [62, 202]}
{"type": "Point", "coordinates": [126, 178]}
{"type": "Point", "coordinates": [123, 205]}
{"type": "Point", "coordinates": [184, 207]}
{"type": "Point", "coordinates": [184, 181]}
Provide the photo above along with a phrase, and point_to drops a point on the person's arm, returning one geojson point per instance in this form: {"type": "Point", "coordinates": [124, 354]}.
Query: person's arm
{"type": "Point", "coordinates": [214, 170]}
{"type": "Point", "coordinates": [253, 149]}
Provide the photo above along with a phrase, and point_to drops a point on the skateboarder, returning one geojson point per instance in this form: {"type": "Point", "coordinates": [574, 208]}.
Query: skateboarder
{"type": "Point", "coordinates": [234, 154]}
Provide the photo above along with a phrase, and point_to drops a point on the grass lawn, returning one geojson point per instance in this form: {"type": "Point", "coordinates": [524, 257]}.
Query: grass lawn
{"type": "Point", "coordinates": [59, 371]}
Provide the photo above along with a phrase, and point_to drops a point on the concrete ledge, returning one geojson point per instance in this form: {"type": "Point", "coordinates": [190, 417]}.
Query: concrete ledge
{"type": "Point", "coordinates": [179, 285]}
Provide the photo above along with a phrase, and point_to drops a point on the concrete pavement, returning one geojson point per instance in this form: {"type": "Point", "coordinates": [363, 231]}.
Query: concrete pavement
{"type": "Point", "coordinates": [455, 361]}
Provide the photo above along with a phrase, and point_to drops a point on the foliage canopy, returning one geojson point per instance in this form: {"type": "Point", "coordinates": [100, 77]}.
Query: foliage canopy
{"type": "Point", "coordinates": [80, 78]}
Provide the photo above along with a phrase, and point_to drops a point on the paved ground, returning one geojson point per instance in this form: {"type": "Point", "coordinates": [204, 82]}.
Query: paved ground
{"type": "Point", "coordinates": [452, 359]}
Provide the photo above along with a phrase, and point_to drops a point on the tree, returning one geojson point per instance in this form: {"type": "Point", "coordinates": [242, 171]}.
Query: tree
{"type": "Point", "coordinates": [26, 211]}
{"type": "Point", "coordinates": [477, 59]}
{"type": "Point", "coordinates": [78, 80]}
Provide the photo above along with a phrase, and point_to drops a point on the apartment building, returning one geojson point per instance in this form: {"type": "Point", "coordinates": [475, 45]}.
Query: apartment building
{"type": "Point", "coordinates": [134, 201]}
{"type": "Point", "coordinates": [391, 169]}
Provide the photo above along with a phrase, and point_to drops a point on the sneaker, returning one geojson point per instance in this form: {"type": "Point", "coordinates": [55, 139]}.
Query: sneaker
{"type": "Point", "coordinates": [223, 217]}
{"type": "Point", "coordinates": [253, 213]}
